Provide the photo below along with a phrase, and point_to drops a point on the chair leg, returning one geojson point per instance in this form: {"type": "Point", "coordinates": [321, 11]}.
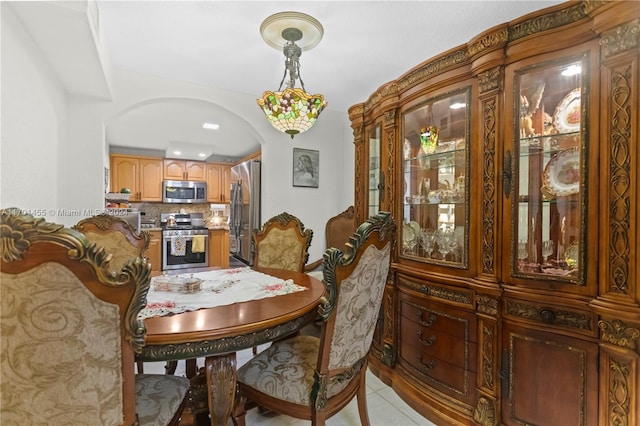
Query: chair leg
{"type": "Point", "coordinates": [170, 367]}
{"type": "Point", "coordinates": [140, 367]}
{"type": "Point", "coordinates": [361, 396]}
{"type": "Point", "coordinates": [191, 367]}
{"type": "Point", "coordinates": [239, 410]}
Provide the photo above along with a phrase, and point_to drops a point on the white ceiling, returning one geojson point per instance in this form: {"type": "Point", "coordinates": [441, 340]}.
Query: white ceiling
{"type": "Point", "coordinates": [218, 44]}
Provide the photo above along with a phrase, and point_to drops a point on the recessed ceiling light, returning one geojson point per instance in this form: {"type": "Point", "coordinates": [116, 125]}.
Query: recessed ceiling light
{"type": "Point", "coordinates": [211, 126]}
{"type": "Point", "coordinates": [176, 153]}
{"type": "Point", "coordinates": [202, 154]}
{"type": "Point", "coordinates": [458, 105]}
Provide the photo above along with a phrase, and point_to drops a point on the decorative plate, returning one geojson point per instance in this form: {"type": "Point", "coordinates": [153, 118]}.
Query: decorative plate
{"type": "Point", "coordinates": [566, 118]}
{"type": "Point", "coordinates": [416, 227]}
{"type": "Point", "coordinates": [407, 233]}
{"type": "Point", "coordinates": [561, 176]}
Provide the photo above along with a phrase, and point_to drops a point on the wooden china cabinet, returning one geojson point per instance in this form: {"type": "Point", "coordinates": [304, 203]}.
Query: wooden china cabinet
{"type": "Point", "coordinates": [511, 166]}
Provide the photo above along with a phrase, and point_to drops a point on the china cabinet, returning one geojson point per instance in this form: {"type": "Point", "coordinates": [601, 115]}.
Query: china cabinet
{"type": "Point", "coordinates": [510, 164]}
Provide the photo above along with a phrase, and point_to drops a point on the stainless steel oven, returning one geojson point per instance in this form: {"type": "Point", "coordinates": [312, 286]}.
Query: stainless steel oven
{"type": "Point", "coordinates": [184, 245]}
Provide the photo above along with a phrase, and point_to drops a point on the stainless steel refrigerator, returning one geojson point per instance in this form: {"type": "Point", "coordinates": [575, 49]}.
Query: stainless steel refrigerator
{"type": "Point", "coordinates": [245, 208]}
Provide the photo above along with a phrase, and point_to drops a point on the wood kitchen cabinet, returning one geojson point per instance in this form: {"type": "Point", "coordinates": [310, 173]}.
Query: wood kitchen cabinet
{"type": "Point", "coordinates": [154, 253]}
{"type": "Point", "coordinates": [219, 248]}
{"type": "Point", "coordinates": [142, 175]}
{"type": "Point", "coordinates": [184, 170]}
{"type": "Point", "coordinates": [513, 295]}
{"type": "Point", "coordinates": [218, 178]}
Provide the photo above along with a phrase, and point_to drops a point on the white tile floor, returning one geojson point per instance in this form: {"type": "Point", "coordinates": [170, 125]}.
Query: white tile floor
{"type": "Point", "coordinates": [385, 407]}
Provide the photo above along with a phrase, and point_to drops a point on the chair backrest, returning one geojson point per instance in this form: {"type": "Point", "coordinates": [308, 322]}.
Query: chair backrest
{"type": "Point", "coordinates": [116, 236]}
{"type": "Point", "coordinates": [340, 227]}
{"type": "Point", "coordinates": [355, 282]}
{"type": "Point", "coordinates": [69, 328]}
{"type": "Point", "coordinates": [281, 243]}
{"type": "Point", "coordinates": [337, 232]}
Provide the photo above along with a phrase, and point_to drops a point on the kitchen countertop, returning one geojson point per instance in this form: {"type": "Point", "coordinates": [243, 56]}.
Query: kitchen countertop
{"type": "Point", "coordinates": [210, 228]}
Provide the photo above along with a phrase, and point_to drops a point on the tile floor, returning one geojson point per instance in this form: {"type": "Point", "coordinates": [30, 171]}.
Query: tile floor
{"type": "Point", "coordinates": [385, 407]}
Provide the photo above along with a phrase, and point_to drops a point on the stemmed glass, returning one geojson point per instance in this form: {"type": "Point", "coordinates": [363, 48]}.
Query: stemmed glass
{"type": "Point", "coordinates": [444, 242]}
{"type": "Point", "coordinates": [427, 238]}
{"type": "Point", "coordinates": [409, 242]}
{"type": "Point", "coordinates": [547, 250]}
{"type": "Point", "coordinates": [523, 253]}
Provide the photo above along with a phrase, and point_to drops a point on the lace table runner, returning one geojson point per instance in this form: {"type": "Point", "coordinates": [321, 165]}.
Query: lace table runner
{"type": "Point", "coordinates": [219, 287]}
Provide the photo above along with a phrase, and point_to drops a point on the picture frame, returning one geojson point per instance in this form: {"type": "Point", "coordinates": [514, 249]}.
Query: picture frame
{"type": "Point", "coordinates": [306, 168]}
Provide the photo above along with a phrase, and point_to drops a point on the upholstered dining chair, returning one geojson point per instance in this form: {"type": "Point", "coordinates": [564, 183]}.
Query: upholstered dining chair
{"type": "Point", "coordinates": [337, 232]}
{"type": "Point", "coordinates": [116, 236]}
{"type": "Point", "coordinates": [70, 330]}
{"type": "Point", "coordinates": [120, 239]}
{"type": "Point", "coordinates": [313, 378]}
{"type": "Point", "coordinates": [281, 243]}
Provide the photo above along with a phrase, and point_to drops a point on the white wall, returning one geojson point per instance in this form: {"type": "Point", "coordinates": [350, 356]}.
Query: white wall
{"type": "Point", "coordinates": [34, 123]}
{"type": "Point", "coordinates": [53, 144]}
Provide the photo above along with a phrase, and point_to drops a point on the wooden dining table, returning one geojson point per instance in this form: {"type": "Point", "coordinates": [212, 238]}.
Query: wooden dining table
{"type": "Point", "coordinates": [218, 333]}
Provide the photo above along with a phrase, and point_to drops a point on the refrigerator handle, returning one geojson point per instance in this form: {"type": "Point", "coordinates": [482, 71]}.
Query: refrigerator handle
{"type": "Point", "coordinates": [237, 208]}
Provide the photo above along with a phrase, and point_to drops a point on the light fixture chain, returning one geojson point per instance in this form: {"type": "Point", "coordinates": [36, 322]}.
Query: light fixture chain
{"type": "Point", "coordinates": [282, 81]}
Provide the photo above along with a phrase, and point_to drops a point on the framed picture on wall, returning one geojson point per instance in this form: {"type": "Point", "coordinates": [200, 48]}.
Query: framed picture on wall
{"type": "Point", "coordinates": [306, 167]}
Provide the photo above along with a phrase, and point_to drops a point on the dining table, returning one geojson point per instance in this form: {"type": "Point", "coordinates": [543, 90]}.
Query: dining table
{"type": "Point", "coordinates": [216, 333]}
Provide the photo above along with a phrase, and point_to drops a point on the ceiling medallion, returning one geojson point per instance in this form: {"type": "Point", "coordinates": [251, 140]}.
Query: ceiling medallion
{"type": "Point", "coordinates": [291, 110]}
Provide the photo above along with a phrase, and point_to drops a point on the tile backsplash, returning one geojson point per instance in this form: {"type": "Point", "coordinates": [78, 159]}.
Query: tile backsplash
{"type": "Point", "coordinates": [152, 210]}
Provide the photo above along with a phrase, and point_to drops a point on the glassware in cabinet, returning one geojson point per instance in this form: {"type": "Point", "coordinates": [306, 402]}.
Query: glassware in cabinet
{"type": "Point", "coordinates": [435, 170]}
{"type": "Point", "coordinates": [547, 215]}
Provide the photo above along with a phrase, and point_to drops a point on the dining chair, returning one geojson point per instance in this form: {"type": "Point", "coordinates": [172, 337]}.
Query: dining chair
{"type": "Point", "coordinates": [281, 243]}
{"type": "Point", "coordinates": [70, 330]}
{"type": "Point", "coordinates": [337, 232]}
{"type": "Point", "coordinates": [120, 239]}
{"type": "Point", "coordinates": [117, 237]}
{"type": "Point", "coordinates": [313, 378]}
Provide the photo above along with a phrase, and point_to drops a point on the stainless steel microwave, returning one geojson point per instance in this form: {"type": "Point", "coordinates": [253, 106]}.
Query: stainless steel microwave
{"type": "Point", "coordinates": [184, 191]}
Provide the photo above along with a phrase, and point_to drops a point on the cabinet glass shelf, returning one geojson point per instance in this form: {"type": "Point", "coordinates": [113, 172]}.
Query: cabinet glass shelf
{"type": "Point", "coordinates": [435, 170]}
{"type": "Point", "coordinates": [548, 229]}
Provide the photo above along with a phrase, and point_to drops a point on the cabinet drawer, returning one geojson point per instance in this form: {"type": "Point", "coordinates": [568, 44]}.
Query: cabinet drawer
{"type": "Point", "coordinates": [460, 325]}
{"type": "Point", "coordinates": [433, 371]}
{"type": "Point", "coordinates": [432, 343]}
{"type": "Point", "coordinates": [560, 317]}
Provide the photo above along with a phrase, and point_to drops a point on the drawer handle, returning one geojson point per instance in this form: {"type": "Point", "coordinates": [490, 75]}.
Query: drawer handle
{"type": "Point", "coordinates": [429, 322]}
{"type": "Point", "coordinates": [547, 315]}
{"type": "Point", "coordinates": [430, 341]}
{"type": "Point", "coordinates": [430, 366]}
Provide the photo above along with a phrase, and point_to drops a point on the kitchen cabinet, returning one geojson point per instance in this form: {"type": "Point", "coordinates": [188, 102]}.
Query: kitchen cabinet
{"type": "Point", "coordinates": [511, 166]}
{"type": "Point", "coordinates": [219, 248]}
{"type": "Point", "coordinates": [184, 170]}
{"type": "Point", "coordinates": [154, 253]}
{"type": "Point", "coordinates": [142, 175]}
{"type": "Point", "coordinates": [218, 178]}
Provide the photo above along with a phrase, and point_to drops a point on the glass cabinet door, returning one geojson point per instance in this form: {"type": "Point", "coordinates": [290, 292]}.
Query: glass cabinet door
{"type": "Point", "coordinates": [436, 181]}
{"type": "Point", "coordinates": [547, 210]}
{"type": "Point", "coordinates": [375, 171]}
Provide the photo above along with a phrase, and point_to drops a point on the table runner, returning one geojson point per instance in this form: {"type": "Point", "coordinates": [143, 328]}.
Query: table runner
{"type": "Point", "coordinates": [219, 287]}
